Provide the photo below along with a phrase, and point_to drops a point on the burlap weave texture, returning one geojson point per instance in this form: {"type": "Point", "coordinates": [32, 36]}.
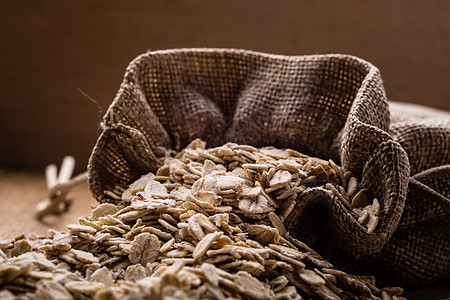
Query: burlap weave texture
{"type": "Point", "coordinates": [331, 106]}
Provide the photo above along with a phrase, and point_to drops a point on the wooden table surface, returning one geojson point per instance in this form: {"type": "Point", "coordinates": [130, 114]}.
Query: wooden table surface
{"type": "Point", "coordinates": [20, 191]}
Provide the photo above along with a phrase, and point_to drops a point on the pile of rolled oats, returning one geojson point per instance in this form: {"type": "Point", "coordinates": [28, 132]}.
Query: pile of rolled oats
{"type": "Point", "coordinates": [208, 224]}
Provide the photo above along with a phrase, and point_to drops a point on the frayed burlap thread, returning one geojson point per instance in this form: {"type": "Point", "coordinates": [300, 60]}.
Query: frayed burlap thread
{"type": "Point", "coordinates": [331, 106]}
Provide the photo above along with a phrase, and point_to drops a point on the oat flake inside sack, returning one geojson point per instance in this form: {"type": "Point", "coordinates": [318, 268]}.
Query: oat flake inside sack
{"type": "Point", "coordinates": [330, 106]}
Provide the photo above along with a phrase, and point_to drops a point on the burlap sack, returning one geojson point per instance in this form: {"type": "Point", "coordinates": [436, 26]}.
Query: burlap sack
{"type": "Point", "coordinates": [419, 251]}
{"type": "Point", "coordinates": [331, 106]}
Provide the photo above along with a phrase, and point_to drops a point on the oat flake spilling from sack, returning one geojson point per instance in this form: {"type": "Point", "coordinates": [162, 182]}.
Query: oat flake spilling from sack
{"type": "Point", "coordinates": [203, 226]}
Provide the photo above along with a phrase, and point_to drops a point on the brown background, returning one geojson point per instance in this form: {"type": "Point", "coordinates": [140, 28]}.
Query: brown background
{"type": "Point", "coordinates": [50, 49]}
